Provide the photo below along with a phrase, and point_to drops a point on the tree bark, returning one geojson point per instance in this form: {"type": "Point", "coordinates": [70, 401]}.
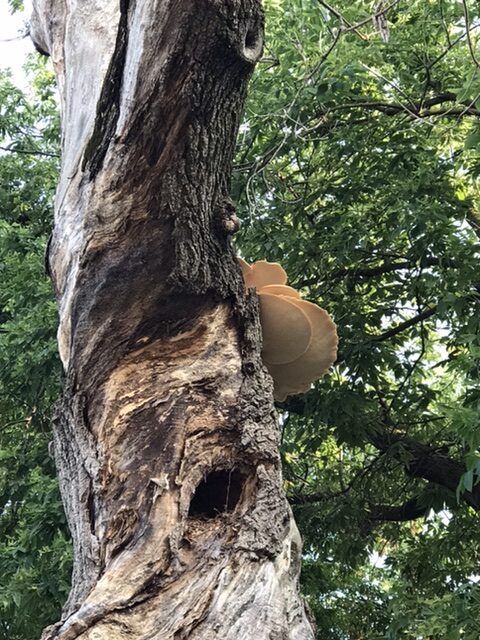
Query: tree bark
{"type": "Point", "coordinates": [166, 439]}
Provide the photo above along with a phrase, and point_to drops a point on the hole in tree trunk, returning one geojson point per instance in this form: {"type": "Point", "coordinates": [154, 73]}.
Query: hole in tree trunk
{"type": "Point", "coordinates": [253, 43]}
{"type": "Point", "coordinates": [251, 39]}
{"type": "Point", "coordinates": [218, 493]}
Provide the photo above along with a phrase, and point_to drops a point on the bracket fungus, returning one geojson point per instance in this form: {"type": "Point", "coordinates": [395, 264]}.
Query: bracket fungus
{"type": "Point", "coordinates": [299, 337]}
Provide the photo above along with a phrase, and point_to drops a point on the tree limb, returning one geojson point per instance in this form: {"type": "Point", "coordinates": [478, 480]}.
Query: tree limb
{"type": "Point", "coordinates": [469, 38]}
{"type": "Point", "coordinates": [371, 272]}
{"type": "Point", "coordinates": [409, 510]}
{"type": "Point", "coordinates": [473, 219]}
{"type": "Point", "coordinates": [428, 463]}
{"type": "Point", "coordinates": [341, 18]}
{"type": "Point", "coordinates": [377, 14]}
{"type": "Point", "coordinates": [422, 109]}
{"type": "Point", "coordinates": [427, 313]}
{"type": "Point", "coordinates": [30, 152]}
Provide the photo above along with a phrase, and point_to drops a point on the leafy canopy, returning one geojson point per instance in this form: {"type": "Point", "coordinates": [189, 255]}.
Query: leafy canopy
{"type": "Point", "coordinates": [357, 169]}
{"type": "Point", "coordinates": [35, 554]}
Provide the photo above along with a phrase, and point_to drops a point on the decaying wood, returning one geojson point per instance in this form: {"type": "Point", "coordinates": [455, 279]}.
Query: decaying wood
{"type": "Point", "coordinates": [166, 440]}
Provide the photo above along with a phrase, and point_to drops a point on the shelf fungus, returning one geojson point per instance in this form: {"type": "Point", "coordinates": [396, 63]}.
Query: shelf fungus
{"type": "Point", "coordinates": [299, 338]}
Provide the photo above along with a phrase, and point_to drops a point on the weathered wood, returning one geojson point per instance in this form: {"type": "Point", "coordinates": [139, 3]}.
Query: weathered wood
{"type": "Point", "coordinates": [166, 440]}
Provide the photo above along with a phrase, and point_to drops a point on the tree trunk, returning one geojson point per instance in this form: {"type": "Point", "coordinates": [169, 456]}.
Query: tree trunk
{"type": "Point", "coordinates": [166, 440]}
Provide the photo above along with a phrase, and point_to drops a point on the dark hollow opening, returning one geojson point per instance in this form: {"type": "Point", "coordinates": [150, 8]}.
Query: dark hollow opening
{"type": "Point", "coordinates": [251, 39]}
{"type": "Point", "coordinates": [218, 493]}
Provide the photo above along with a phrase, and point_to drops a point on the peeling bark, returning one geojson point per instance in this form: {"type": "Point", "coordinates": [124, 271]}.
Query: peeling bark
{"type": "Point", "coordinates": [166, 440]}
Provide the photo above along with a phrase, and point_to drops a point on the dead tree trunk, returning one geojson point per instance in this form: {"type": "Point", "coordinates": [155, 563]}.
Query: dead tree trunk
{"type": "Point", "coordinates": [166, 440]}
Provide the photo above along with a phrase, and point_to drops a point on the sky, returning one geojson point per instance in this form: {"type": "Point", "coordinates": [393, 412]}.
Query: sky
{"type": "Point", "coordinates": [13, 49]}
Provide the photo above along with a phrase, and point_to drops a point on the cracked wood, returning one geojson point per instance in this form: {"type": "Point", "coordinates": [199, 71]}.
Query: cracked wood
{"type": "Point", "coordinates": [165, 389]}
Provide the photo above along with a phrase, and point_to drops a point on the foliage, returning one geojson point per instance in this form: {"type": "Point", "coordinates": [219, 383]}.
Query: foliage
{"type": "Point", "coordinates": [34, 549]}
{"type": "Point", "coordinates": [357, 168]}
{"type": "Point", "coordinates": [15, 5]}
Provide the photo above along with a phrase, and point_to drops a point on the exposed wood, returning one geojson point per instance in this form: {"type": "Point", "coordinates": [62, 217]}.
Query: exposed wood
{"type": "Point", "coordinates": [166, 439]}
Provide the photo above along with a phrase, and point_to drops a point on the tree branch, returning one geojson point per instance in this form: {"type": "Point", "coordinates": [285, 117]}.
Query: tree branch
{"type": "Point", "coordinates": [377, 14]}
{"type": "Point", "coordinates": [428, 463]}
{"type": "Point", "coordinates": [473, 219]}
{"type": "Point", "coordinates": [469, 37]}
{"type": "Point", "coordinates": [371, 272]}
{"type": "Point", "coordinates": [427, 313]}
{"type": "Point", "coordinates": [341, 18]}
{"type": "Point", "coordinates": [30, 152]}
{"type": "Point", "coordinates": [422, 109]}
{"type": "Point", "coordinates": [409, 510]}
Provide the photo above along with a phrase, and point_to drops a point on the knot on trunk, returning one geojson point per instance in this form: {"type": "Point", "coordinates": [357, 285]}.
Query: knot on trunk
{"type": "Point", "coordinates": [226, 216]}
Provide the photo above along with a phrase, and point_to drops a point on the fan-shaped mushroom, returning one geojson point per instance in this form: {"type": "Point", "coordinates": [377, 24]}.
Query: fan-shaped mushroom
{"type": "Point", "coordinates": [284, 325]}
{"type": "Point", "coordinates": [299, 337]}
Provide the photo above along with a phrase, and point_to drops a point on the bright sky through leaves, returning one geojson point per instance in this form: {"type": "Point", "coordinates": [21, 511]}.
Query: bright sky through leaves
{"type": "Point", "coordinates": [14, 48]}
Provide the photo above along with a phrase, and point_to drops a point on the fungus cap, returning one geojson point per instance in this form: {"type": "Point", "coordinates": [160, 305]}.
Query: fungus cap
{"type": "Point", "coordinates": [293, 377]}
{"type": "Point", "coordinates": [247, 273]}
{"type": "Point", "coordinates": [265, 273]}
{"type": "Point", "coordinates": [279, 290]}
{"type": "Point", "coordinates": [299, 337]}
{"type": "Point", "coordinates": [262, 273]}
{"type": "Point", "coordinates": [286, 329]}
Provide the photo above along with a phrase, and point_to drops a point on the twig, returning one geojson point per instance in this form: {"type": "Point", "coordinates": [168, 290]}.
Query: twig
{"type": "Point", "coordinates": [341, 18]}
{"type": "Point", "coordinates": [324, 56]}
{"type": "Point", "coordinates": [388, 268]}
{"type": "Point", "coordinates": [377, 14]}
{"type": "Point", "coordinates": [427, 313]}
{"type": "Point", "coordinates": [392, 84]}
{"type": "Point", "coordinates": [32, 152]}
{"type": "Point", "coordinates": [22, 36]}
{"type": "Point", "coordinates": [469, 39]}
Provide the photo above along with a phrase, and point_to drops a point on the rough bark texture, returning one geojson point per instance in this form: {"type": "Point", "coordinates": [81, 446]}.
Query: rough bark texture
{"type": "Point", "coordinates": [166, 440]}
